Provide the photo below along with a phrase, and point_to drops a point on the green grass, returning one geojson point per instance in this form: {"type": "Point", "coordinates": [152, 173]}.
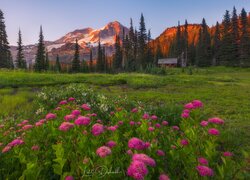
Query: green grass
{"type": "Point", "coordinates": [224, 91]}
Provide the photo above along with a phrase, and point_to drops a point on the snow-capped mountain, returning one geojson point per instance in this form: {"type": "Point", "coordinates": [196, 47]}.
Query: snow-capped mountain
{"type": "Point", "coordinates": [86, 37]}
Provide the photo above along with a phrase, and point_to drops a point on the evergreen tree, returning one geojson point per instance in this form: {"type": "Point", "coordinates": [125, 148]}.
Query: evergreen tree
{"type": "Point", "coordinates": [226, 47]}
{"type": "Point", "coordinates": [40, 55]}
{"type": "Point", "coordinates": [91, 66]}
{"type": "Point", "coordinates": [149, 52]}
{"type": "Point", "coordinates": [117, 60]}
{"type": "Point", "coordinates": [76, 61]}
{"type": "Point", "coordinates": [203, 57]}
{"type": "Point", "coordinates": [216, 44]}
{"type": "Point", "coordinates": [99, 63]}
{"type": "Point", "coordinates": [244, 40]}
{"type": "Point", "coordinates": [185, 43]}
{"type": "Point", "coordinates": [104, 60]}
{"type": "Point", "coordinates": [158, 53]}
{"type": "Point", "coordinates": [58, 64]}
{"type": "Point", "coordinates": [142, 38]}
{"type": "Point", "coordinates": [84, 66]}
{"type": "Point", "coordinates": [135, 50]}
{"type": "Point", "coordinates": [5, 55]}
{"type": "Point", "coordinates": [235, 38]}
{"type": "Point", "coordinates": [20, 61]}
{"type": "Point", "coordinates": [46, 66]}
{"type": "Point", "coordinates": [178, 44]}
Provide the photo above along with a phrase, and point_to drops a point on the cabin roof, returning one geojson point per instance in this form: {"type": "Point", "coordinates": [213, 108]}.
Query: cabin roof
{"type": "Point", "coordinates": [167, 61]}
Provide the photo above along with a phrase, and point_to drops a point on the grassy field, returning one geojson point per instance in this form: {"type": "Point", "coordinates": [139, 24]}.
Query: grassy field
{"type": "Point", "coordinates": [224, 91]}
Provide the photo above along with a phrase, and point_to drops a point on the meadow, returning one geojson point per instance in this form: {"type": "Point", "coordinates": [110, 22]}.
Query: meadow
{"type": "Point", "coordinates": [224, 93]}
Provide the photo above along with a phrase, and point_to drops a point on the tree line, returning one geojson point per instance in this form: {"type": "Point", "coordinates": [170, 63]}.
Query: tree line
{"type": "Point", "coordinates": [228, 45]}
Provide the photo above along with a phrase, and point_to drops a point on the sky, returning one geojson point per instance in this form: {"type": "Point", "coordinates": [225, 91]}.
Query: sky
{"type": "Point", "coordinates": [59, 17]}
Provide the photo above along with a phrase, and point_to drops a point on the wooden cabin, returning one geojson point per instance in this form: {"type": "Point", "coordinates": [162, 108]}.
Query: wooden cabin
{"type": "Point", "coordinates": [167, 62]}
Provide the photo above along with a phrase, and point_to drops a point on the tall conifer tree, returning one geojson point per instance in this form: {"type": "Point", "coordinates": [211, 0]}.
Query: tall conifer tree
{"type": "Point", "coordinates": [40, 55]}
{"type": "Point", "coordinates": [76, 61]}
{"type": "Point", "coordinates": [58, 64]}
{"type": "Point", "coordinates": [20, 61]}
{"type": "Point", "coordinates": [5, 54]}
{"type": "Point", "coordinates": [244, 40]}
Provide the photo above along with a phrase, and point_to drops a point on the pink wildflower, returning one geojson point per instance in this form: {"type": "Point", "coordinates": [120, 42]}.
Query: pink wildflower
{"type": "Point", "coordinates": [6, 149]}
{"type": "Point", "coordinates": [111, 144]}
{"type": "Point", "coordinates": [35, 148]}
{"type": "Point", "coordinates": [189, 106]}
{"type": "Point", "coordinates": [50, 116]}
{"type": "Point", "coordinates": [145, 159]}
{"type": "Point", "coordinates": [58, 108]}
{"type": "Point", "coordinates": [134, 110]}
{"type": "Point", "coordinates": [69, 117]}
{"type": "Point", "coordinates": [203, 161]}
{"type": "Point", "coordinates": [103, 151]}
{"type": "Point", "coordinates": [62, 102]}
{"type": "Point", "coordinates": [227, 153]}
{"type": "Point", "coordinates": [175, 128]}
{"type": "Point", "coordinates": [82, 120]}
{"type": "Point", "coordinates": [216, 120]}
{"type": "Point", "coordinates": [69, 178]}
{"type": "Point", "coordinates": [157, 125]}
{"type": "Point", "coordinates": [76, 112]}
{"type": "Point", "coordinates": [204, 171]}
{"type": "Point", "coordinates": [86, 107]}
{"type": "Point", "coordinates": [16, 142]}
{"type": "Point", "coordinates": [164, 177]}
{"type": "Point", "coordinates": [214, 131]}
{"type": "Point", "coordinates": [185, 115]}
{"type": "Point", "coordinates": [164, 123]}
{"type": "Point", "coordinates": [147, 144]}
{"type": "Point", "coordinates": [65, 126]}
{"type": "Point", "coordinates": [184, 142]}
{"type": "Point", "coordinates": [112, 128]}
{"type": "Point", "coordinates": [129, 152]}
{"type": "Point", "coordinates": [132, 123]}
{"type": "Point", "coordinates": [97, 129]}
{"type": "Point", "coordinates": [160, 152]}
{"type": "Point", "coordinates": [26, 127]}
{"type": "Point", "coordinates": [197, 103]}
{"type": "Point", "coordinates": [204, 123]}
{"type": "Point", "coordinates": [151, 129]}
{"type": "Point", "coordinates": [71, 99]}
{"type": "Point", "coordinates": [137, 170]}
{"type": "Point", "coordinates": [145, 116]}
{"type": "Point", "coordinates": [135, 143]}
{"type": "Point", "coordinates": [154, 117]}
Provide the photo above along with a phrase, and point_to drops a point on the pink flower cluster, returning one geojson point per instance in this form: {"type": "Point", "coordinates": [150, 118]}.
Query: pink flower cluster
{"type": "Point", "coordinates": [216, 120]}
{"type": "Point", "coordinates": [40, 122]}
{"type": "Point", "coordinates": [50, 116]}
{"type": "Point", "coordinates": [86, 107]}
{"type": "Point", "coordinates": [213, 131]}
{"type": "Point", "coordinates": [203, 161]}
{"type": "Point", "coordinates": [13, 143]}
{"type": "Point", "coordinates": [164, 177]}
{"type": "Point", "coordinates": [82, 120]}
{"type": "Point", "coordinates": [97, 129]}
{"type": "Point", "coordinates": [137, 170]}
{"type": "Point", "coordinates": [103, 151]}
{"type": "Point", "coordinates": [138, 167]}
{"type": "Point", "coordinates": [204, 170]}
{"type": "Point", "coordinates": [136, 143]}
{"type": "Point", "coordinates": [111, 144]}
{"type": "Point", "coordinates": [69, 117]}
{"type": "Point", "coordinates": [65, 126]}
{"type": "Point", "coordinates": [145, 159]}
